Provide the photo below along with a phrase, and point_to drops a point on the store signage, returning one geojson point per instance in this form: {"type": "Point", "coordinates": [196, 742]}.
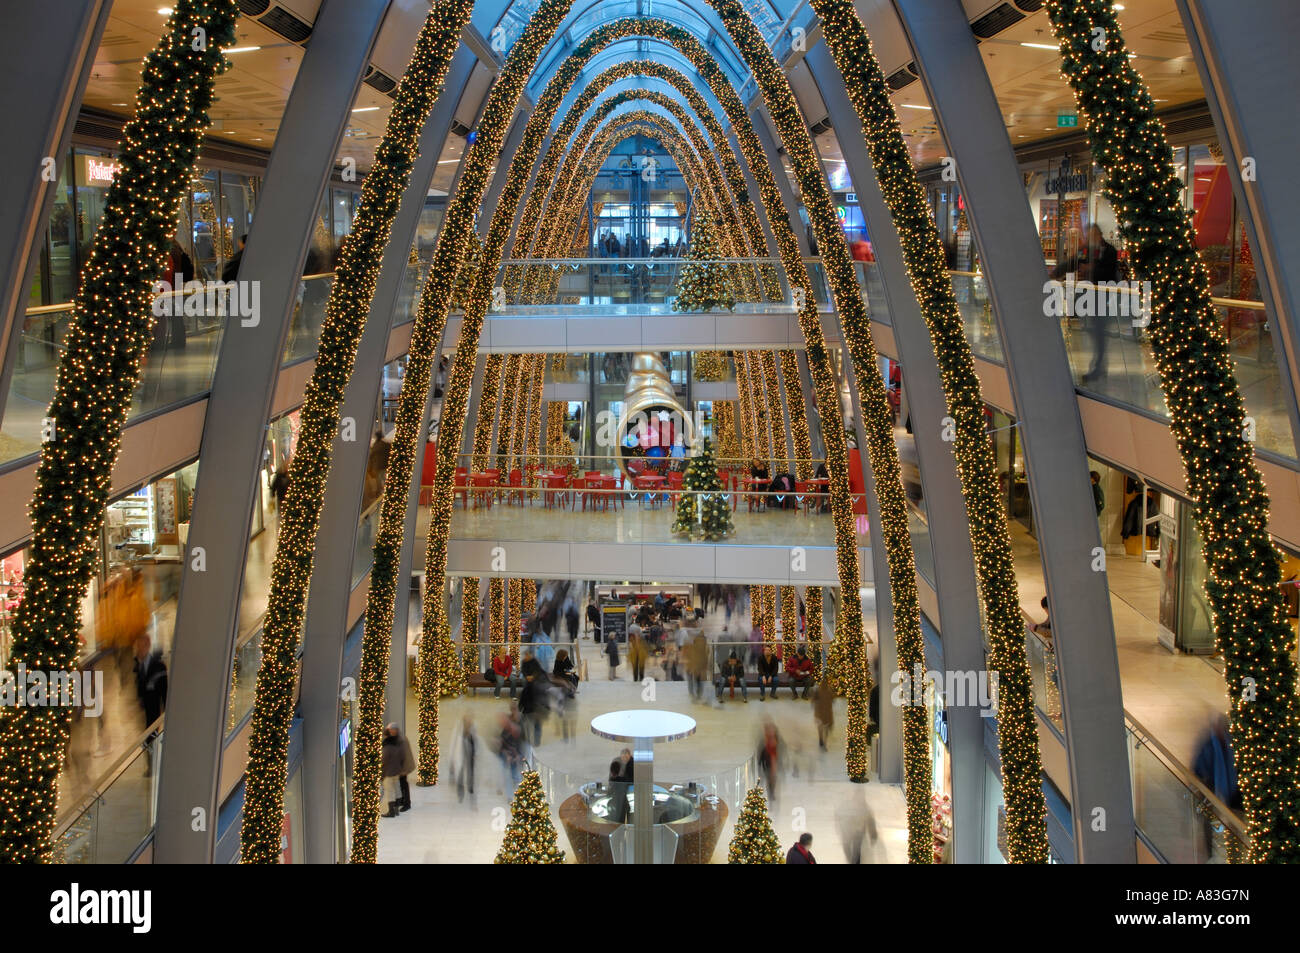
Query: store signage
{"type": "Point", "coordinates": [1067, 120]}
{"type": "Point", "coordinates": [1067, 179]}
{"type": "Point", "coordinates": [850, 198]}
{"type": "Point", "coordinates": [100, 171]}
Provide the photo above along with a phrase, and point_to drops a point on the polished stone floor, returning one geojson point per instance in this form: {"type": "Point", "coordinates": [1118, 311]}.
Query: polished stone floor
{"type": "Point", "coordinates": [812, 793]}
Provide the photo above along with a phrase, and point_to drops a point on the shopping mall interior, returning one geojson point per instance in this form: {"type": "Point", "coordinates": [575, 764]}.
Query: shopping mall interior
{"type": "Point", "coordinates": [864, 430]}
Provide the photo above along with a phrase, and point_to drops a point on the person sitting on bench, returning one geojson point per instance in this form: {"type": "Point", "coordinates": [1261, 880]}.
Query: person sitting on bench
{"type": "Point", "coordinates": [769, 666]}
{"type": "Point", "coordinates": [502, 674]}
{"type": "Point", "coordinates": [731, 675]}
{"type": "Point", "coordinates": [800, 668]}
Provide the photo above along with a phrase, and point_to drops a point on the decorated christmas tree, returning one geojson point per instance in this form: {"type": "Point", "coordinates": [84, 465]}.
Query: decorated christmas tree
{"type": "Point", "coordinates": [703, 284]}
{"type": "Point", "coordinates": [754, 841]}
{"type": "Point", "coordinates": [530, 835]}
{"type": "Point", "coordinates": [707, 506]}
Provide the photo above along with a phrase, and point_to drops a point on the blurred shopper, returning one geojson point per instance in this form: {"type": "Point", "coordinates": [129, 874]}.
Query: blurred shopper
{"type": "Point", "coordinates": [637, 653]}
{"type": "Point", "coordinates": [467, 754]}
{"type": "Point", "coordinates": [769, 666]}
{"type": "Point", "coordinates": [731, 606]}
{"type": "Point", "coordinates": [611, 650]}
{"type": "Point", "coordinates": [398, 762]}
{"type": "Point", "coordinates": [151, 688]}
{"type": "Point", "coordinates": [801, 852]}
{"type": "Point", "coordinates": [510, 750]}
{"type": "Point", "coordinates": [698, 665]}
{"type": "Point", "coordinates": [770, 757]}
{"type": "Point", "coordinates": [532, 708]}
{"type": "Point", "coordinates": [620, 780]}
{"type": "Point", "coordinates": [823, 709]}
{"type": "Point", "coordinates": [1216, 767]}
{"type": "Point", "coordinates": [593, 618]}
{"type": "Point", "coordinates": [858, 833]}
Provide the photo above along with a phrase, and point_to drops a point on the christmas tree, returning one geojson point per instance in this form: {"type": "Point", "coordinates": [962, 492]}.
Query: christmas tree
{"type": "Point", "coordinates": [754, 841]}
{"type": "Point", "coordinates": [530, 835]}
{"type": "Point", "coordinates": [708, 504]}
{"type": "Point", "coordinates": [703, 284]}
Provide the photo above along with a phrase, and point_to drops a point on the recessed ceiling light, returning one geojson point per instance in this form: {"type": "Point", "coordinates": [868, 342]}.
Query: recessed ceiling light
{"type": "Point", "coordinates": [910, 106]}
{"type": "Point", "coordinates": [120, 104]}
{"type": "Point", "coordinates": [1041, 46]}
{"type": "Point", "coordinates": [365, 109]}
{"type": "Point", "coordinates": [165, 11]}
{"type": "Point", "coordinates": [241, 49]}
{"type": "Point", "coordinates": [1160, 100]}
{"type": "Point", "coordinates": [1119, 6]}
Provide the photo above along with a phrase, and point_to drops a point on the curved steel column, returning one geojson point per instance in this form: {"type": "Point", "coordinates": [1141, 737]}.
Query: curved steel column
{"type": "Point", "coordinates": [234, 431]}
{"type": "Point", "coordinates": [1246, 56]}
{"type": "Point", "coordinates": [51, 65]}
{"type": "Point", "coordinates": [953, 558]}
{"type": "Point", "coordinates": [331, 579]}
{"type": "Point", "coordinates": [1056, 458]}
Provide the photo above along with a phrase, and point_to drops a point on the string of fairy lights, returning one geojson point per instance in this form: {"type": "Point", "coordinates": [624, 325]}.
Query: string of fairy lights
{"type": "Point", "coordinates": [109, 334]}
{"type": "Point", "coordinates": [924, 257]}
{"type": "Point", "coordinates": [789, 621]}
{"type": "Point", "coordinates": [793, 388]}
{"type": "Point", "coordinates": [877, 420]}
{"type": "Point", "coordinates": [1207, 417]}
{"type": "Point", "coordinates": [469, 633]}
{"type": "Point", "coordinates": [345, 315]}
{"type": "Point", "coordinates": [812, 601]}
{"type": "Point", "coordinates": [487, 409]}
{"type": "Point", "coordinates": [431, 318]}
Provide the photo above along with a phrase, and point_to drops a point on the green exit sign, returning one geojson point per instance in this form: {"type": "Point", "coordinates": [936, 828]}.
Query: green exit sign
{"type": "Point", "coordinates": [1067, 120]}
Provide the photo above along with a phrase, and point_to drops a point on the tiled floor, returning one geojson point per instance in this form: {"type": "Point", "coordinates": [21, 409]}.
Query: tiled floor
{"type": "Point", "coordinates": [812, 794]}
{"type": "Point", "coordinates": [1170, 694]}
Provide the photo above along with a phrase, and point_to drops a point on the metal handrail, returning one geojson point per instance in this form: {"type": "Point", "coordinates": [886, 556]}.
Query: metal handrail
{"type": "Point", "coordinates": [1187, 778]}
{"type": "Point", "coordinates": [68, 305]}
{"type": "Point", "coordinates": [107, 779]}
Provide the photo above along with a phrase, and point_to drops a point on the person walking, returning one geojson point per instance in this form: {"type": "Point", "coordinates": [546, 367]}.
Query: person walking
{"type": "Point", "coordinates": [532, 707]}
{"type": "Point", "coordinates": [398, 762]}
{"type": "Point", "coordinates": [637, 655]}
{"type": "Point", "coordinates": [620, 779]}
{"type": "Point", "coordinates": [468, 752]}
{"type": "Point", "coordinates": [801, 852]}
{"type": "Point", "coordinates": [611, 650]}
{"type": "Point", "coordinates": [510, 749]}
{"type": "Point", "coordinates": [593, 618]}
{"type": "Point", "coordinates": [823, 710]}
{"type": "Point", "coordinates": [151, 689]}
{"type": "Point", "coordinates": [731, 606]}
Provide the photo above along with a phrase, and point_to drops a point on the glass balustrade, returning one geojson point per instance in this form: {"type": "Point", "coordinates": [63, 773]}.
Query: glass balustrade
{"type": "Point", "coordinates": [112, 822]}
{"type": "Point", "coordinates": [597, 502]}
{"type": "Point", "coordinates": [177, 368]}
{"type": "Point", "coordinates": [363, 556]}
{"type": "Point", "coordinates": [1180, 818]}
{"type": "Point", "coordinates": [640, 285]}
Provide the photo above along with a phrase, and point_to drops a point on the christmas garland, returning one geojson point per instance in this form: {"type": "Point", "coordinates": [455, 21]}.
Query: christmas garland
{"type": "Point", "coordinates": [109, 335]}
{"type": "Point", "coordinates": [877, 421]}
{"type": "Point", "coordinates": [431, 318]}
{"type": "Point", "coordinates": [824, 380]}
{"type": "Point", "coordinates": [1207, 417]}
{"type": "Point", "coordinates": [927, 268]}
{"type": "Point", "coordinates": [345, 316]}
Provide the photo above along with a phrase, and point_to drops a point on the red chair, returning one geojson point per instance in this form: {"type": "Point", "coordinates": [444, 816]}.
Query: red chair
{"type": "Point", "coordinates": [675, 484]}
{"type": "Point", "coordinates": [483, 488]}
{"type": "Point", "coordinates": [803, 491]}
{"type": "Point", "coordinates": [514, 486]}
{"type": "Point", "coordinates": [495, 473]}
{"type": "Point", "coordinates": [755, 497]}
{"type": "Point", "coordinates": [461, 487]}
{"type": "Point", "coordinates": [557, 491]}
{"type": "Point", "coordinates": [728, 488]}
{"type": "Point", "coordinates": [579, 488]}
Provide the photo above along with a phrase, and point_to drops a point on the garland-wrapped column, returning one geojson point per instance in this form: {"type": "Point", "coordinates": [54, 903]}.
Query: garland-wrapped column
{"type": "Point", "coordinates": [497, 617]}
{"type": "Point", "coordinates": [109, 335]}
{"type": "Point", "coordinates": [812, 605]}
{"type": "Point", "coordinates": [927, 268]}
{"type": "Point", "coordinates": [877, 422]}
{"type": "Point", "coordinates": [453, 240]}
{"type": "Point", "coordinates": [469, 634]}
{"type": "Point", "coordinates": [1207, 417]}
{"type": "Point", "coordinates": [487, 410]}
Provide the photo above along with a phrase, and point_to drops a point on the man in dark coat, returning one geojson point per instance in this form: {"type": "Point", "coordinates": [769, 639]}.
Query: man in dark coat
{"type": "Point", "coordinates": [800, 852]}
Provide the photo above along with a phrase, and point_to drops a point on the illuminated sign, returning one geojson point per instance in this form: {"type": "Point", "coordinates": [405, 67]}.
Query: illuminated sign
{"type": "Point", "coordinates": [97, 171]}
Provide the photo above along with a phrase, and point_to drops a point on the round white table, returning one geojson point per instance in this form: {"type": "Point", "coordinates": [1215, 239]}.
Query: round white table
{"type": "Point", "coordinates": [642, 727]}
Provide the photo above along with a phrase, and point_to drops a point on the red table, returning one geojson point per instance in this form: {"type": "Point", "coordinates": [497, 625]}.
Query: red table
{"type": "Point", "coordinates": [756, 483]}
